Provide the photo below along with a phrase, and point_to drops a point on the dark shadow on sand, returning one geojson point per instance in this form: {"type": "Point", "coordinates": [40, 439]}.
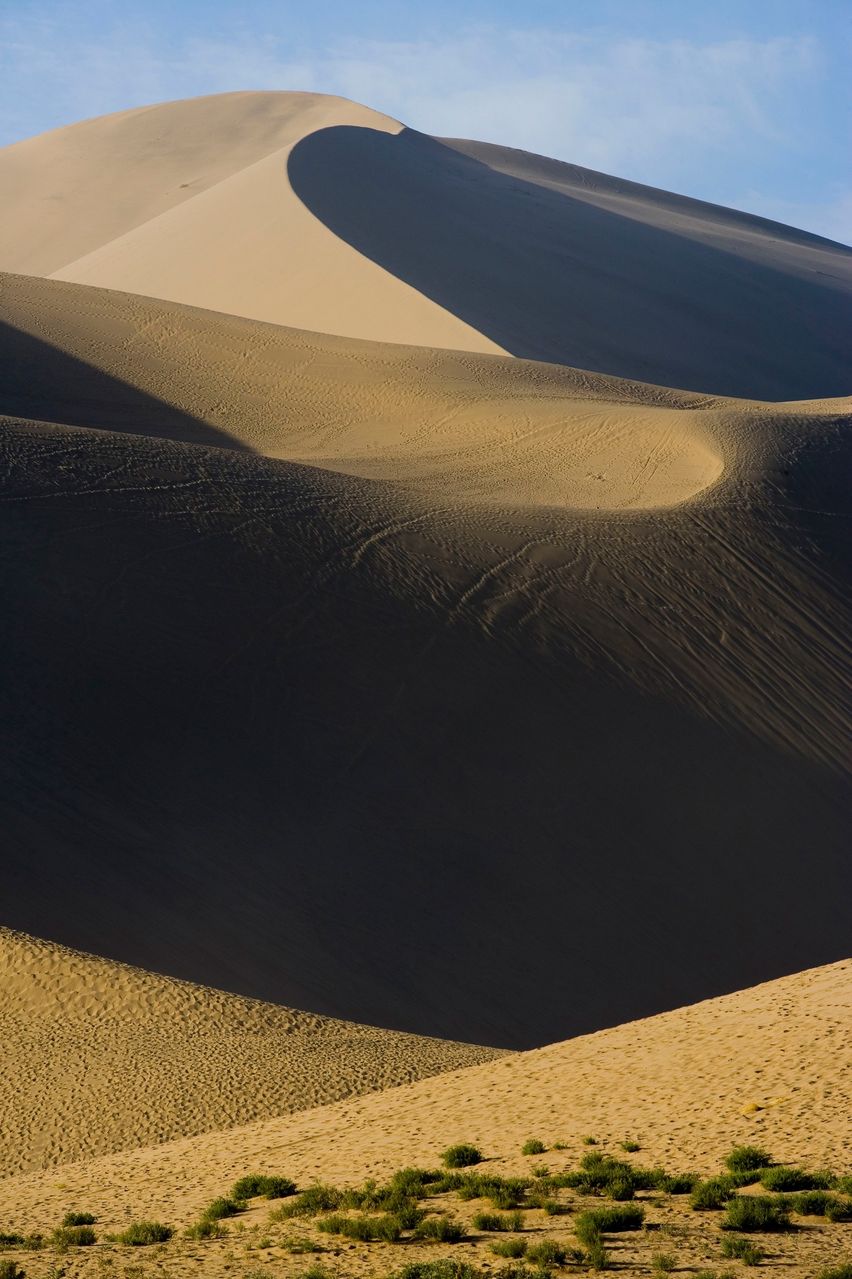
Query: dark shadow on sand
{"type": "Point", "coordinates": [41, 382]}
{"type": "Point", "coordinates": [551, 277]}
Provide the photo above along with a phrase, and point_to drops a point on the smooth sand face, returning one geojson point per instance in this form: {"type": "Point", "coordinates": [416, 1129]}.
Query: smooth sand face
{"type": "Point", "coordinates": [359, 707]}
{"type": "Point", "coordinates": [102, 1057]}
{"type": "Point", "coordinates": [314, 212]}
{"type": "Point", "coordinates": [767, 1066]}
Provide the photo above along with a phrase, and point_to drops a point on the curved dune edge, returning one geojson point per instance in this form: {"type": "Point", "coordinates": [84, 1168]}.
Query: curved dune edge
{"type": "Point", "coordinates": [471, 428]}
{"type": "Point", "coordinates": [689, 1086]}
{"type": "Point", "coordinates": [155, 1058]}
{"type": "Point", "coordinates": [317, 213]}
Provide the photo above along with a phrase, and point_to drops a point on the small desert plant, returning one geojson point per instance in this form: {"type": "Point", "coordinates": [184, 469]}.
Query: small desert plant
{"type": "Point", "coordinates": [533, 1147]}
{"type": "Point", "coordinates": [780, 1178]}
{"type": "Point", "coordinates": [140, 1233]}
{"type": "Point", "coordinates": [256, 1184]}
{"type": "Point", "coordinates": [73, 1237]}
{"type": "Point", "coordinates": [509, 1247]}
{"type": "Point", "coordinates": [11, 1270]}
{"type": "Point", "coordinates": [843, 1271]}
{"type": "Point", "coordinates": [630, 1146]}
{"type": "Point", "coordinates": [317, 1271]}
{"type": "Point", "coordinates": [843, 1184]}
{"type": "Point", "coordinates": [629, 1217]}
{"type": "Point", "coordinates": [678, 1183]}
{"type": "Point", "coordinates": [590, 1141]}
{"type": "Point", "coordinates": [10, 1240]}
{"type": "Point", "coordinates": [711, 1194]}
{"type": "Point", "coordinates": [755, 1213]}
{"type": "Point", "coordinates": [743, 1250]}
{"type": "Point", "coordinates": [310, 1202]}
{"type": "Point", "coordinates": [747, 1159]}
{"type": "Point", "coordinates": [596, 1256]}
{"type": "Point", "coordinates": [442, 1229]}
{"type": "Point", "coordinates": [547, 1253]}
{"type": "Point", "coordinates": [839, 1210]}
{"type": "Point", "coordinates": [365, 1229]}
{"type": "Point", "coordinates": [664, 1263]}
{"type": "Point", "coordinates": [442, 1268]}
{"type": "Point", "coordinates": [78, 1219]}
{"type": "Point", "coordinates": [221, 1208]}
{"type": "Point", "coordinates": [490, 1221]}
{"type": "Point", "coordinates": [461, 1156]}
{"type": "Point", "coordinates": [811, 1203]}
{"type": "Point", "coordinates": [205, 1229]}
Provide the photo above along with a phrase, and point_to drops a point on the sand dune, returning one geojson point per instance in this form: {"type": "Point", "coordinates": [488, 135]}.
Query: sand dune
{"type": "Point", "coordinates": [317, 213]}
{"type": "Point", "coordinates": [101, 1057]}
{"type": "Point", "coordinates": [319, 726]}
{"type": "Point", "coordinates": [687, 1085]}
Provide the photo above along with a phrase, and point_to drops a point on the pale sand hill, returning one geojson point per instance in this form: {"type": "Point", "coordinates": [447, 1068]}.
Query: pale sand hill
{"type": "Point", "coordinates": [318, 213]}
{"type": "Point", "coordinates": [770, 1065]}
{"type": "Point", "coordinates": [378, 747]}
{"type": "Point", "coordinates": [101, 1057]}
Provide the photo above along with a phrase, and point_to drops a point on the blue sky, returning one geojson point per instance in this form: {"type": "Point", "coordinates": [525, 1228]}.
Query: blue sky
{"type": "Point", "coordinates": [744, 102]}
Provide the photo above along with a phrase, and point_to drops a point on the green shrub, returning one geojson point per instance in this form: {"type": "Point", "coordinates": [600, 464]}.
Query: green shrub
{"type": "Point", "coordinates": [590, 1141]}
{"type": "Point", "coordinates": [78, 1219]}
{"type": "Point", "coordinates": [498, 1221]}
{"type": "Point", "coordinates": [812, 1203]}
{"type": "Point", "coordinates": [533, 1147]}
{"type": "Point", "coordinates": [629, 1217]}
{"type": "Point", "coordinates": [678, 1183]}
{"type": "Point", "coordinates": [10, 1240]}
{"type": "Point", "coordinates": [73, 1237]}
{"type": "Point", "coordinates": [843, 1184]}
{"type": "Point", "coordinates": [747, 1159]}
{"type": "Point", "coordinates": [365, 1229]}
{"type": "Point", "coordinates": [781, 1178]}
{"type": "Point", "coordinates": [547, 1253]}
{"type": "Point", "coordinates": [664, 1262]}
{"type": "Point", "coordinates": [711, 1194]}
{"type": "Point", "coordinates": [11, 1270]}
{"type": "Point", "coordinates": [631, 1147]}
{"type": "Point", "coordinates": [714, 1274]}
{"type": "Point", "coordinates": [414, 1182]}
{"type": "Point", "coordinates": [843, 1271]}
{"type": "Point", "coordinates": [755, 1213]}
{"type": "Point", "coordinates": [509, 1247]}
{"type": "Point", "coordinates": [442, 1268]}
{"type": "Point", "coordinates": [442, 1229]}
{"type": "Point", "coordinates": [743, 1250]}
{"type": "Point", "coordinates": [461, 1156]}
{"type": "Point", "coordinates": [597, 1257]}
{"type": "Point", "coordinates": [141, 1233]}
{"type": "Point", "coordinates": [206, 1228]}
{"type": "Point", "coordinates": [256, 1185]}
{"type": "Point", "coordinates": [221, 1208]}
{"type": "Point", "coordinates": [311, 1202]}
{"type": "Point", "coordinates": [839, 1210]}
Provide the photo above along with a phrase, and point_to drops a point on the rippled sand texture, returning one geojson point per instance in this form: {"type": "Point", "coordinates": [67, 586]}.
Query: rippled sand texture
{"type": "Point", "coordinates": [101, 1057]}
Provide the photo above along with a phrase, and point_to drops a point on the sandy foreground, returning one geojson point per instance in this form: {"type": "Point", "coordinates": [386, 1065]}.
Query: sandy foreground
{"type": "Point", "coordinates": [102, 1057]}
{"type": "Point", "coordinates": [770, 1065]}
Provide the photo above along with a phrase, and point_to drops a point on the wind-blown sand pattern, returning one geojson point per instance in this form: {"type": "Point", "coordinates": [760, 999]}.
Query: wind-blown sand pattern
{"type": "Point", "coordinates": [688, 1084]}
{"type": "Point", "coordinates": [101, 1057]}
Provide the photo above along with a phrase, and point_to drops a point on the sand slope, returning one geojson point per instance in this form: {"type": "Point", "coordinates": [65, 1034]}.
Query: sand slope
{"type": "Point", "coordinates": [318, 213]}
{"type": "Point", "coordinates": [101, 1057]}
{"type": "Point", "coordinates": [688, 1085]}
{"type": "Point", "coordinates": [356, 710]}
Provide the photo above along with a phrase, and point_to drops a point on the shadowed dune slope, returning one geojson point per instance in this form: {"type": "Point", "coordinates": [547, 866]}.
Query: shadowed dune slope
{"type": "Point", "coordinates": [101, 1057]}
{"type": "Point", "coordinates": [688, 1084]}
{"type": "Point", "coordinates": [386, 725]}
{"type": "Point", "coordinates": [315, 212]}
